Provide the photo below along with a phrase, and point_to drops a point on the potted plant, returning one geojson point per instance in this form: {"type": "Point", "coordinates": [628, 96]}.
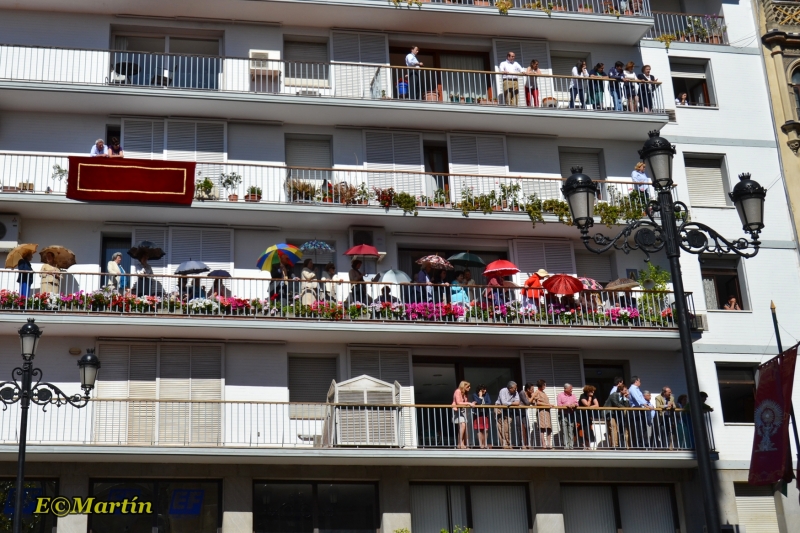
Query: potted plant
{"type": "Point", "coordinates": [253, 194]}
{"type": "Point", "coordinates": [230, 182]}
{"type": "Point", "coordinates": [385, 197]}
{"type": "Point", "coordinates": [440, 198]}
{"type": "Point", "coordinates": [467, 203]}
{"type": "Point", "coordinates": [503, 6]}
{"type": "Point", "coordinates": [585, 8]}
{"type": "Point", "coordinates": [345, 192]}
{"type": "Point", "coordinates": [406, 202]}
{"type": "Point", "coordinates": [363, 195]}
{"type": "Point", "coordinates": [300, 190]}
{"type": "Point", "coordinates": [204, 189]}
{"type": "Point", "coordinates": [509, 196]}
{"type": "Point", "coordinates": [558, 7]}
{"type": "Point", "coordinates": [59, 173]}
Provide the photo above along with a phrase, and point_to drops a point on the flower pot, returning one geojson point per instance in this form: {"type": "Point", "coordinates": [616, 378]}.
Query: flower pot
{"type": "Point", "coordinates": [481, 2]}
{"type": "Point", "coordinates": [252, 198]}
{"type": "Point", "coordinates": [714, 39]}
{"type": "Point", "coordinates": [327, 200]}
{"type": "Point", "coordinates": [11, 188]}
{"type": "Point", "coordinates": [233, 197]}
{"type": "Point", "coordinates": [431, 96]}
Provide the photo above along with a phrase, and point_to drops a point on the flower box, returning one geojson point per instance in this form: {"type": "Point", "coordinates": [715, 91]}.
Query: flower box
{"type": "Point", "coordinates": [252, 198]}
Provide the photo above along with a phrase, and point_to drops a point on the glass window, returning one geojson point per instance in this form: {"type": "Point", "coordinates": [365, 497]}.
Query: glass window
{"type": "Point", "coordinates": [315, 507]}
{"type": "Point", "coordinates": [722, 284]}
{"type": "Point", "coordinates": [177, 506]}
{"type": "Point", "coordinates": [33, 489]}
{"type": "Point", "coordinates": [692, 77]}
{"type": "Point", "coordinates": [737, 390]}
{"type": "Point", "coordinates": [481, 507]}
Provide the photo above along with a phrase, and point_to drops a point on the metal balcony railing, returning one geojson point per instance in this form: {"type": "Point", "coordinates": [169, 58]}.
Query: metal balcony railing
{"type": "Point", "coordinates": [326, 80]}
{"type": "Point", "coordinates": [691, 28]}
{"type": "Point", "coordinates": [626, 8]}
{"type": "Point", "coordinates": [47, 174]}
{"type": "Point", "coordinates": [247, 424]}
{"type": "Point", "coordinates": [329, 300]}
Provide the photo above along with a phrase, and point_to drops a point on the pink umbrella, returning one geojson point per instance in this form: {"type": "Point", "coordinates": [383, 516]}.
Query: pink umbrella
{"type": "Point", "coordinates": [438, 263]}
{"type": "Point", "coordinates": [500, 268]}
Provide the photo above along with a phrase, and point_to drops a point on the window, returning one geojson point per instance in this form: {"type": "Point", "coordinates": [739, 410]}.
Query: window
{"type": "Point", "coordinates": [310, 377]}
{"type": "Point", "coordinates": [612, 508]}
{"type": "Point", "coordinates": [315, 507]}
{"type": "Point", "coordinates": [42, 523]}
{"type": "Point", "coordinates": [475, 506]}
{"type": "Point", "coordinates": [309, 152]}
{"type": "Point", "coordinates": [159, 44]}
{"type": "Point", "coordinates": [737, 390]}
{"type": "Point", "coordinates": [590, 161]}
{"type": "Point", "coordinates": [722, 280]}
{"type": "Point", "coordinates": [707, 181]}
{"type": "Point", "coordinates": [176, 506]}
{"type": "Point", "coordinates": [796, 89]}
{"type": "Point", "coordinates": [306, 61]}
{"type": "Point", "coordinates": [693, 77]}
{"type": "Point", "coordinates": [756, 507]}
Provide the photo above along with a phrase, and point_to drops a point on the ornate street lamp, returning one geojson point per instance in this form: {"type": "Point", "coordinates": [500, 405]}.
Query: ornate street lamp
{"type": "Point", "coordinates": [650, 236]}
{"type": "Point", "coordinates": [22, 389]}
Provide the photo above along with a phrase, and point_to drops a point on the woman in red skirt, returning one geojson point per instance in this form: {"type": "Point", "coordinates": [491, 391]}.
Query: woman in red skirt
{"type": "Point", "coordinates": [480, 417]}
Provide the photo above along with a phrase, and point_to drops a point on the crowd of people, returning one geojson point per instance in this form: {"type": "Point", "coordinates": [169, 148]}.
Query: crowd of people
{"type": "Point", "coordinates": [630, 418]}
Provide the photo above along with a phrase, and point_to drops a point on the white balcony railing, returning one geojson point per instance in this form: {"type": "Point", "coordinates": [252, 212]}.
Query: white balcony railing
{"type": "Point", "coordinates": [328, 300]}
{"type": "Point", "coordinates": [686, 27]}
{"type": "Point", "coordinates": [625, 8]}
{"type": "Point", "coordinates": [22, 173]}
{"type": "Point", "coordinates": [248, 424]}
{"type": "Point", "coordinates": [326, 80]}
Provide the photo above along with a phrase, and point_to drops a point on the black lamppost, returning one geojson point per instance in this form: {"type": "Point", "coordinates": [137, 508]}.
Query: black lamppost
{"type": "Point", "coordinates": [650, 236]}
{"type": "Point", "coordinates": [24, 390]}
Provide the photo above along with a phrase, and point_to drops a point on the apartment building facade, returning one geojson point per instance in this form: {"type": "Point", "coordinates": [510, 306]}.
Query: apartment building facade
{"type": "Point", "coordinates": [236, 413]}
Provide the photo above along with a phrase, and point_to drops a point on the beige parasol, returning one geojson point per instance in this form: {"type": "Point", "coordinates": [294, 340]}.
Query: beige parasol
{"type": "Point", "coordinates": [622, 284]}
{"type": "Point", "coordinates": [64, 256]}
{"type": "Point", "coordinates": [18, 253]}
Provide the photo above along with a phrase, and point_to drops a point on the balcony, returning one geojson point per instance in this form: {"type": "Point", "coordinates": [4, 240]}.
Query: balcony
{"type": "Point", "coordinates": [30, 176]}
{"type": "Point", "coordinates": [412, 98]}
{"type": "Point", "coordinates": [260, 299]}
{"type": "Point", "coordinates": [688, 28]}
{"type": "Point", "coordinates": [352, 430]}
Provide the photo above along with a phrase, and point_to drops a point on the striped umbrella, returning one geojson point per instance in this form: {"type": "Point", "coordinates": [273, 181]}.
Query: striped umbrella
{"type": "Point", "coordinates": [591, 284]}
{"type": "Point", "coordinates": [438, 263]}
{"type": "Point", "coordinates": [273, 254]}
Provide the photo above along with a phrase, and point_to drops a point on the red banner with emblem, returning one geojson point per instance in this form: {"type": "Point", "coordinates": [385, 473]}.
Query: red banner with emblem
{"type": "Point", "coordinates": [771, 459]}
{"type": "Point", "coordinates": [130, 180]}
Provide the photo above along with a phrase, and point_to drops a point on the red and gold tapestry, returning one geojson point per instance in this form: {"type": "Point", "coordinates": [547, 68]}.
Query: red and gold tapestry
{"type": "Point", "coordinates": [130, 180]}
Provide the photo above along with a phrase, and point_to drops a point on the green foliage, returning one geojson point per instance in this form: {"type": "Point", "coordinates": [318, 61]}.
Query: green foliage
{"type": "Point", "coordinates": [59, 172]}
{"type": "Point", "coordinates": [486, 202]}
{"type": "Point", "coordinates": [406, 202]}
{"type": "Point", "coordinates": [503, 6]}
{"type": "Point", "coordinates": [440, 197]}
{"type": "Point", "coordinates": [467, 200]}
{"type": "Point", "coordinates": [363, 194]}
{"type": "Point", "coordinates": [229, 182]}
{"type": "Point", "coordinates": [254, 191]}
{"type": "Point", "coordinates": [658, 275]}
{"type": "Point", "coordinates": [402, 530]}
{"type": "Point", "coordinates": [457, 529]}
{"type": "Point", "coordinates": [509, 194]}
{"type": "Point", "coordinates": [205, 185]}
{"type": "Point", "coordinates": [559, 208]}
{"type": "Point", "coordinates": [533, 206]}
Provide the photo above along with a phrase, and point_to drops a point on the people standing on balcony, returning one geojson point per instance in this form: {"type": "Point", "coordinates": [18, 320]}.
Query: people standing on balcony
{"type": "Point", "coordinates": [664, 426]}
{"type": "Point", "coordinates": [532, 289]}
{"type": "Point", "coordinates": [116, 150]}
{"type": "Point", "coordinates": [650, 436]}
{"type": "Point", "coordinates": [617, 421]}
{"type": "Point", "coordinates": [281, 273]}
{"type": "Point", "coordinates": [566, 416]}
{"type": "Point", "coordinates": [646, 90]}
{"type": "Point", "coordinates": [414, 64]}
{"type": "Point", "coordinates": [531, 84]}
{"type": "Point", "coordinates": [597, 86]}
{"type": "Point", "coordinates": [144, 281]}
{"type": "Point", "coordinates": [511, 70]}
{"type": "Point", "coordinates": [480, 418]}
{"type": "Point", "coordinates": [629, 86]}
{"type": "Point", "coordinates": [618, 384]}
{"type": "Point", "coordinates": [357, 292]}
{"type": "Point", "coordinates": [99, 149]}
{"type": "Point", "coordinates": [576, 86]}
{"type": "Point", "coordinates": [117, 279]}
{"type": "Point", "coordinates": [507, 397]}
{"type": "Point", "coordinates": [330, 279]}
{"type": "Point", "coordinates": [540, 399]}
{"type": "Point", "coordinates": [308, 284]}
{"type": "Point", "coordinates": [457, 293]}
{"type": "Point", "coordinates": [615, 85]}
{"type": "Point", "coordinates": [682, 99]}
{"type": "Point", "coordinates": [386, 296]}
{"type": "Point", "coordinates": [638, 176]}
{"type": "Point", "coordinates": [25, 276]}
{"type": "Point", "coordinates": [441, 288]}
{"type": "Point", "coordinates": [587, 399]}
{"type": "Point", "coordinates": [527, 415]}
{"type": "Point", "coordinates": [51, 277]}
{"type": "Point", "coordinates": [493, 293]}
{"type": "Point", "coordinates": [425, 287]}
{"type": "Point", "coordinates": [460, 404]}
{"type": "Point", "coordinates": [638, 427]}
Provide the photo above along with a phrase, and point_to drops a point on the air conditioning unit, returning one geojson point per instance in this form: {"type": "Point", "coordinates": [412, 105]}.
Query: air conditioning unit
{"type": "Point", "coordinates": [369, 235]}
{"type": "Point", "coordinates": [265, 63]}
{"type": "Point", "coordinates": [699, 322]}
{"type": "Point", "coordinates": [9, 232]}
{"type": "Point", "coordinates": [364, 412]}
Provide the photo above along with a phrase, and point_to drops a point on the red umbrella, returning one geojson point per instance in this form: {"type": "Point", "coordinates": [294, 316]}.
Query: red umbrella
{"type": "Point", "coordinates": [500, 268]}
{"type": "Point", "coordinates": [563, 284]}
{"type": "Point", "coordinates": [363, 249]}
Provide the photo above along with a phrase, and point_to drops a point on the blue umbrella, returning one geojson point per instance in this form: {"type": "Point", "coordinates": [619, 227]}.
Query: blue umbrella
{"type": "Point", "coordinates": [317, 247]}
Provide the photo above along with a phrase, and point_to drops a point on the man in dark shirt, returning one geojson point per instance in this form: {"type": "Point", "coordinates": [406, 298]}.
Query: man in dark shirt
{"type": "Point", "coordinates": [615, 420]}
{"type": "Point", "coordinates": [615, 85]}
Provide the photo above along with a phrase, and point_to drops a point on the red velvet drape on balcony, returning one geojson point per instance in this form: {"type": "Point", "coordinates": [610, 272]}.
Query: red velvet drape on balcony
{"type": "Point", "coordinates": [130, 180]}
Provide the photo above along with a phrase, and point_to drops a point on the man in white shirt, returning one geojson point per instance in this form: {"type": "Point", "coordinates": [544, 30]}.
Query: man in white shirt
{"type": "Point", "coordinates": [99, 149]}
{"type": "Point", "coordinates": [413, 64]}
{"type": "Point", "coordinates": [510, 68]}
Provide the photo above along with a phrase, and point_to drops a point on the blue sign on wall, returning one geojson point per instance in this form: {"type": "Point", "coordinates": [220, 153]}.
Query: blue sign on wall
{"type": "Point", "coordinates": [28, 501]}
{"type": "Point", "coordinates": [186, 501]}
{"type": "Point", "coordinates": [120, 495]}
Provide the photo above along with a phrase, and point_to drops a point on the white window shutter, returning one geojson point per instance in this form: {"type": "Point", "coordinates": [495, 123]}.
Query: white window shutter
{"type": "Point", "coordinates": [492, 155]}
{"type": "Point", "coordinates": [399, 152]}
{"type": "Point", "coordinates": [210, 143]}
{"type": "Point", "coordinates": [365, 362]}
{"type": "Point", "coordinates": [159, 130]}
{"type": "Point", "coordinates": [346, 48]}
{"type": "Point", "coordinates": [304, 52]}
{"type": "Point", "coordinates": [181, 140]}
{"type": "Point", "coordinates": [704, 179]}
{"type": "Point", "coordinates": [174, 384]}
{"type": "Point", "coordinates": [310, 153]}
{"type": "Point", "coordinates": [590, 162]}
{"type": "Point", "coordinates": [386, 365]}
{"type": "Point", "coordinates": [596, 267]}
{"type": "Point", "coordinates": [142, 139]}
{"type": "Point", "coordinates": [528, 255]}
{"type": "Point", "coordinates": [157, 236]}
{"type": "Point", "coordinates": [142, 385]}
{"type": "Point", "coordinates": [206, 386]}
{"type": "Point", "coordinates": [372, 47]}
{"type": "Point", "coordinates": [185, 245]}
{"type": "Point", "coordinates": [558, 257]}
{"type": "Point", "coordinates": [217, 250]}
{"type": "Point", "coordinates": [555, 368]}
{"type": "Point", "coordinates": [526, 51]}
{"type": "Point", "coordinates": [111, 418]}
{"type": "Point", "coordinates": [567, 369]}
{"type": "Point", "coordinates": [310, 377]}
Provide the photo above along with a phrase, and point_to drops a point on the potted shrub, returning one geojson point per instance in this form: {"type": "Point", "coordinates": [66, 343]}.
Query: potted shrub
{"type": "Point", "coordinates": [345, 193]}
{"type": "Point", "coordinates": [509, 196]}
{"type": "Point", "coordinates": [440, 198]}
{"type": "Point", "coordinates": [204, 189]}
{"type": "Point", "coordinates": [253, 194]}
{"type": "Point", "coordinates": [467, 203]}
{"type": "Point", "coordinates": [585, 8]}
{"type": "Point", "coordinates": [362, 195]}
{"type": "Point", "coordinates": [385, 197]}
{"type": "Point", "coordinates": [300, 190]}
{"type": "Point", "coordinates": [60, 173]}
{"type": "Point", "coordinates": [406, 202]}
{"type": "Point", "coordinates": [230, 182]}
